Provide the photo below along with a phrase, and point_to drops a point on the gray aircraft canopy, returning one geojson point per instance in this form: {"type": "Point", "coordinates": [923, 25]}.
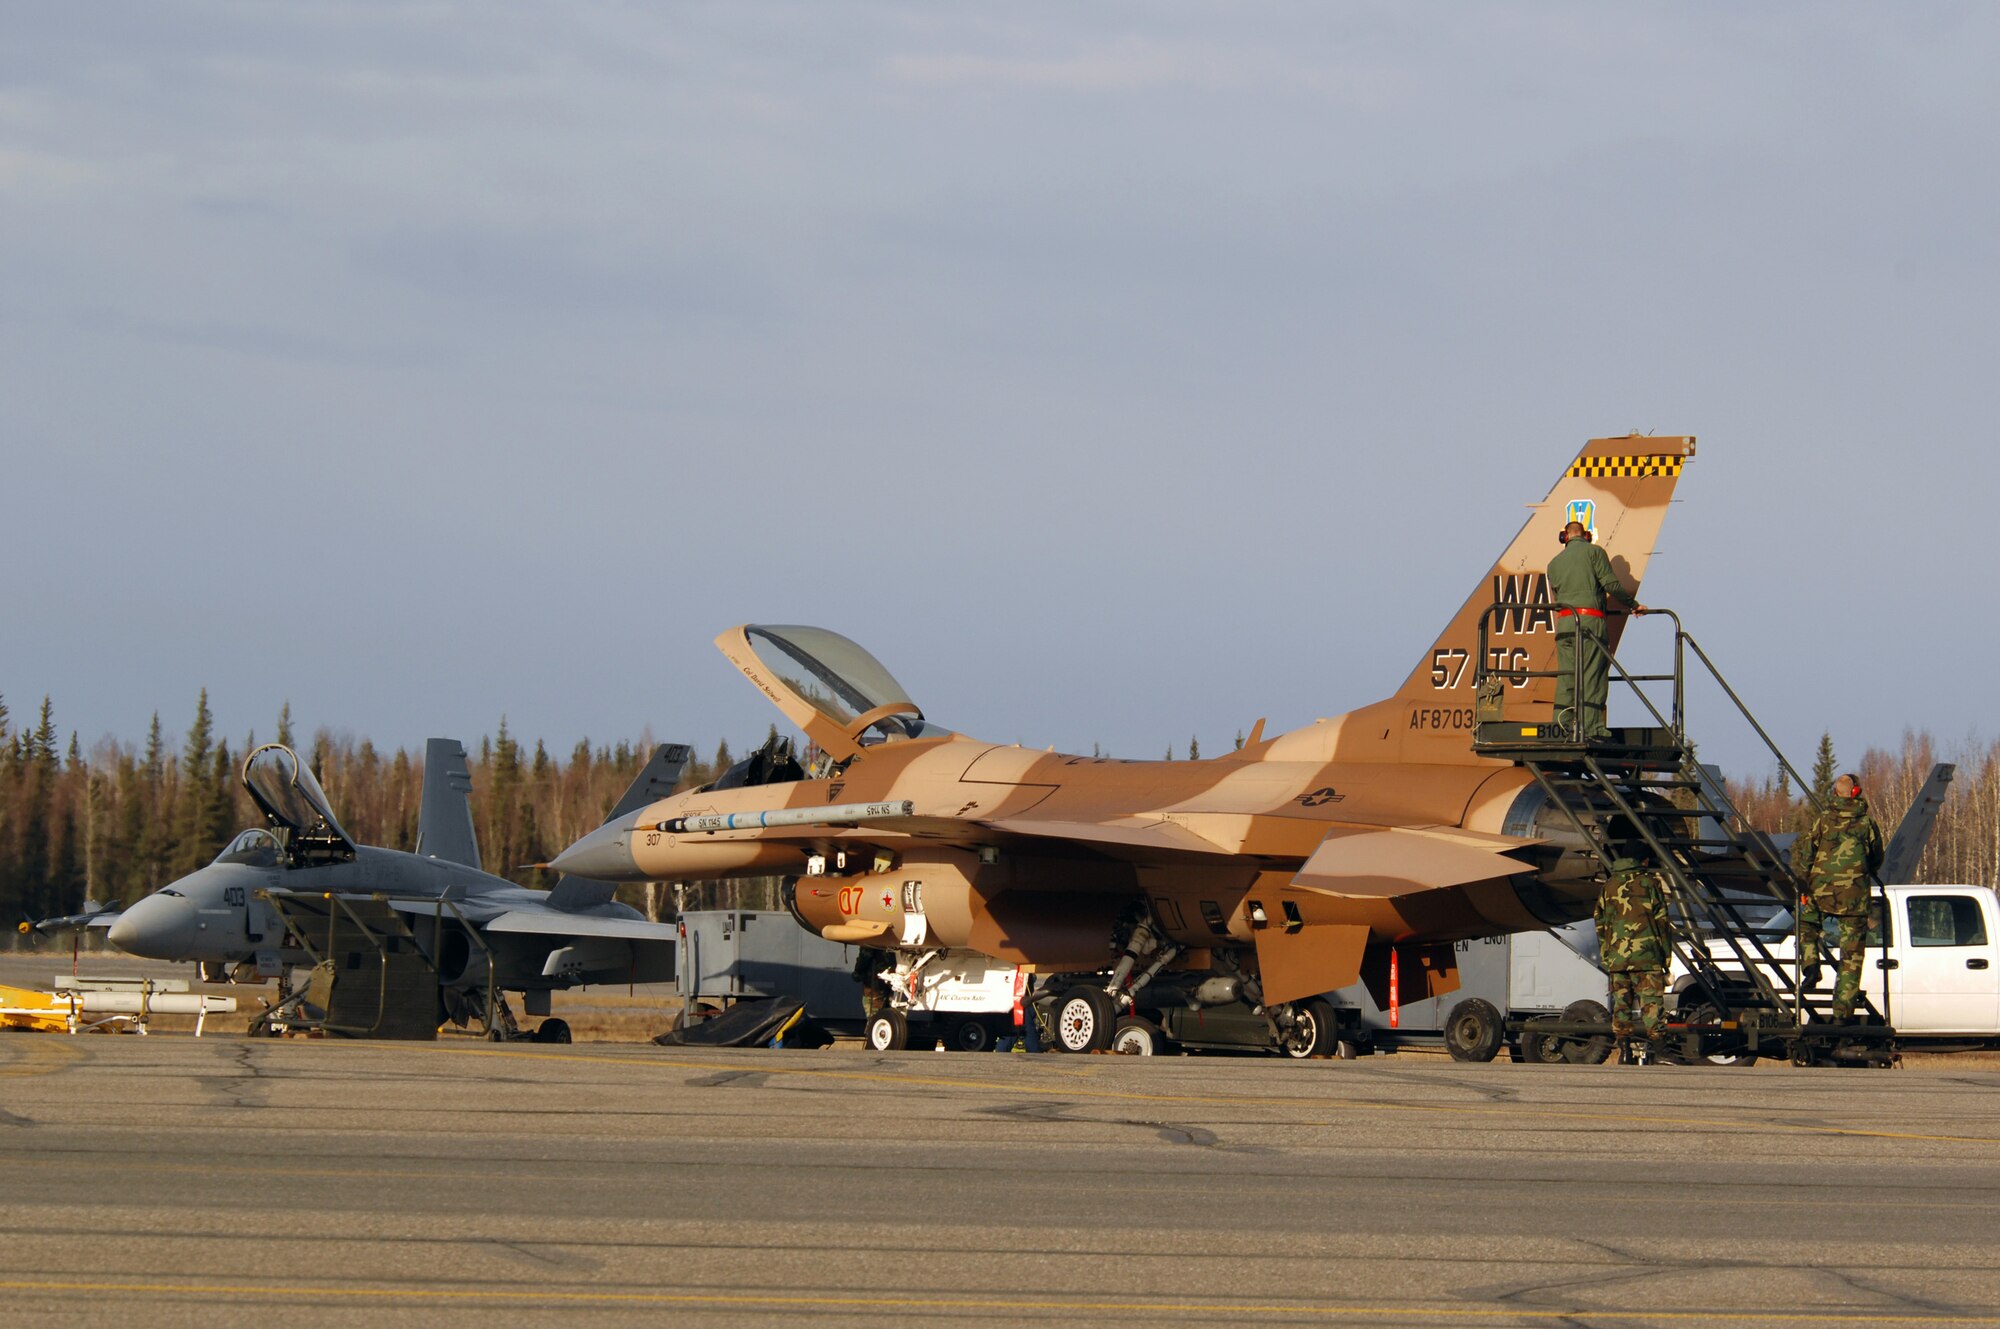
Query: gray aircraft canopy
{"type": "Point", "coordinates": [291, 799]}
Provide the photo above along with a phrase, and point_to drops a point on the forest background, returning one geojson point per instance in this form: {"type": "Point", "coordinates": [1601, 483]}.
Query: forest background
{"type": "Point", "coordinates": [112, 823]}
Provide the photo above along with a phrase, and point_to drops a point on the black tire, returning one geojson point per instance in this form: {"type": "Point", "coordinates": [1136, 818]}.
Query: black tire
{"type": "Point", "coordinates": [1730, 1050]}
{"type": "Point", "coordinates": [1474, 1030]}
{"type": "Point", "coordinates": [1590, 1051]}
{"type": "Point", "coordinates": [971, 1035]}
{"type": "Point", "coordinates": [1315, 1029]}
{"type": "Point", "coordinates": [1135, 1037]}
{"type": "Point", "coordinates": [887, 1030]}
{"type": "Point", "coordinates": [553, 1030]}
{"type": "Point", "coordinates": [1543, 1049]}
{"type": "Point", "coordinates": [1085, 1019]}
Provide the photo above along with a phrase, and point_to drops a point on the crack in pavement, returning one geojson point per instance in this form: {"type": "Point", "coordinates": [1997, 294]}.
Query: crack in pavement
{"type": "Point", "coordinates": [559, 1260]}
{"type": "Point", "coordinates": [243, 1090]}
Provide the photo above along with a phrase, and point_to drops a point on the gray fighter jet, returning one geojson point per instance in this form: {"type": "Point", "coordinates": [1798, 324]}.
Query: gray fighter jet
{"type": "Point", "coordinates": [397, 929]}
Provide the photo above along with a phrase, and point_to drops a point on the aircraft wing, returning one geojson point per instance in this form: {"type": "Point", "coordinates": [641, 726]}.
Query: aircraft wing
{"type": "Point", "coordinates": [554, 923]}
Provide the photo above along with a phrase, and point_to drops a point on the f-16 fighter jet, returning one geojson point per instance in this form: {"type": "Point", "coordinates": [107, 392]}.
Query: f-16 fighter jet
{"type": "Point", "coordinates": [261, 907]}
{"type": "Point", "coordinates": [1292, 867]}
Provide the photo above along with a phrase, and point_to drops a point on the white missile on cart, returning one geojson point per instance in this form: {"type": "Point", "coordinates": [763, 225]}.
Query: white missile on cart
{"type": "Point", "coordinates": [753, 821]}
{"type": "Point", "coordinates": [149, 1003]}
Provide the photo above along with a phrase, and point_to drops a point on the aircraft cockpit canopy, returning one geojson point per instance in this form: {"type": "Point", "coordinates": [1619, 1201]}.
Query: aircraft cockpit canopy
{"type": "Point", "coordinates": [839, 680]}
{"type": "Point", "coordinates": [255, 847]}
{"type": "Point", "coordinates": [281, 785]}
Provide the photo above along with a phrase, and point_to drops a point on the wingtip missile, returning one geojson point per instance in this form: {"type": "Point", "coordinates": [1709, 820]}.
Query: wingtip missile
{"type": "Point", "coordinates": [755, 821]}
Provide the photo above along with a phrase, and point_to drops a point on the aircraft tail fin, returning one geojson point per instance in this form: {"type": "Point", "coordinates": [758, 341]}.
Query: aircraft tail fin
{"type": "Point", "coordinates": [444, 820]}
{"type": "Point", "coordinates": [1913, 833]}
{"type": "Point", "coordinates": [1619, 489]}
{"type": "Point", "coordinates": [655, 780]}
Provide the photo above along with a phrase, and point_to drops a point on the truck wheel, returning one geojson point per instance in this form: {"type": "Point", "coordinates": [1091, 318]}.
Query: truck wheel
{"type": "Point", "coordinates": [1136, 1037]}
{"type": "Point", "coordinates": [969, 1036]}
{"type": "Point", "coordinates": [888, 1030]}
{"type": "Point", "coordinates": [1592, 1050]}
{"type": "Point", "coordinates": [1542, 1049]}
{"type": "Point", "coordinates": [1084, 1020]}
{"type": "Point", "coordinates": [1314, 1028]}
{"type": "Point", "coordinates": [1729, 1050]}
{"type": "Point", "coordinates": [1474, 1030]}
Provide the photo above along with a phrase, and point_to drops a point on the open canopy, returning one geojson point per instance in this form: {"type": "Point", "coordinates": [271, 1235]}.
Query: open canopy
{"type": "Point", "coordinates": [281, 785]}
{"type": "Point", "coordinates": [827, 685]}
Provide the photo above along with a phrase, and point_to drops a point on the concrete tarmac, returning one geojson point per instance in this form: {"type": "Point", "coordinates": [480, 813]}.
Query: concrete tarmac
{"type": "Point", "coordinates": [167, 1181]}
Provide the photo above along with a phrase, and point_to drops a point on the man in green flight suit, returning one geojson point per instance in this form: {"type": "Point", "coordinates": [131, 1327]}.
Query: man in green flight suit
{"type": "Point", "coordinates": [1634, 949]}
{"type": "Point", "coordinates": [1834, 859]}
{"type": "Point", "coordinates": [1581, 583]}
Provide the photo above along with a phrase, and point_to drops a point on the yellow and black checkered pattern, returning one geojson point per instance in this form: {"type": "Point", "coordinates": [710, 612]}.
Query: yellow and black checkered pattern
{"type": "Point", "coordinates": [1592, 467]}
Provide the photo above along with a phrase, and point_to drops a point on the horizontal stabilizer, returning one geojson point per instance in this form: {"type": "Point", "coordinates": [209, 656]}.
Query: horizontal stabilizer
{"type": "Point", "coordinates": [1381, 864]}
{"type": "Point", "coordinates": [444, 821]}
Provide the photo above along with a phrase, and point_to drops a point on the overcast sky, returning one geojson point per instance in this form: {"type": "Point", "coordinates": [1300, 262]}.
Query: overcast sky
{"type": "Point", "coordinates": [1114, 372]}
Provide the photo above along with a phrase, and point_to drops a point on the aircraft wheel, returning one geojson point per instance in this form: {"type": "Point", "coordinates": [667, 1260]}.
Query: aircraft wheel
{"type": "Point", "coordinates": [552, 1031]}
{"type": "Point", "coordinates": [1474, 1030]}
{"type": "Point", "coordinates": [1586, 1051]}
{"type": "Point", "coordinates": [969, 1036]}
{"type": "Point", "coordinates": [888, 1030]}
{"type": "Point", "coordinates": [1314, 1029]}
{"type": "Point", "coordinates": [1084, 1020]}
{"type": "Point", "coordinates": [1136, 1037]}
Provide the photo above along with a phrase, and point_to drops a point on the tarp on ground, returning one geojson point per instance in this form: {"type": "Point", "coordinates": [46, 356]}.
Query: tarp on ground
{"type": "Point", "coordinates": [751, 1024]}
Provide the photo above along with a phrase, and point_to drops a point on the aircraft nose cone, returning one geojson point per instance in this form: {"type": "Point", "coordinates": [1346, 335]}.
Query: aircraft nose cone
{"type": "Point", "coordinates": [605, 854]}
{"type": "Point", "coordinates": [159, 927]}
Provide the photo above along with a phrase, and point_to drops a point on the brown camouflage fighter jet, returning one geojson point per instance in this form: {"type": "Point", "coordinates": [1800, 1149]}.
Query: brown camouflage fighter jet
{"type": "Point", "coordinates": [1286, 869]}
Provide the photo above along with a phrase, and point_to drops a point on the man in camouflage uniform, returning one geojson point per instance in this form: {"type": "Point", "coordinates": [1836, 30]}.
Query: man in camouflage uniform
{"type": "Point", "coordinates": [1634, 949]}
{"type": "Point", "coordinates": [1834, 859]}
{"type": "Point", "coordinates": [1581, 584]}
{"type": "Point", "coordinates": [869, 962]}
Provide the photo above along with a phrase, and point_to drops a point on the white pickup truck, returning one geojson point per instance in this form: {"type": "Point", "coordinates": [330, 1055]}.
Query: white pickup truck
{"type": "Point", "coordinates": [1941, 968]}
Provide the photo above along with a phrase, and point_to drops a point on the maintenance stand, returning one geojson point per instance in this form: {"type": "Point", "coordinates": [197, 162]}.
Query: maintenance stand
{"type": "Point", "coordinates": [1645, 784]}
